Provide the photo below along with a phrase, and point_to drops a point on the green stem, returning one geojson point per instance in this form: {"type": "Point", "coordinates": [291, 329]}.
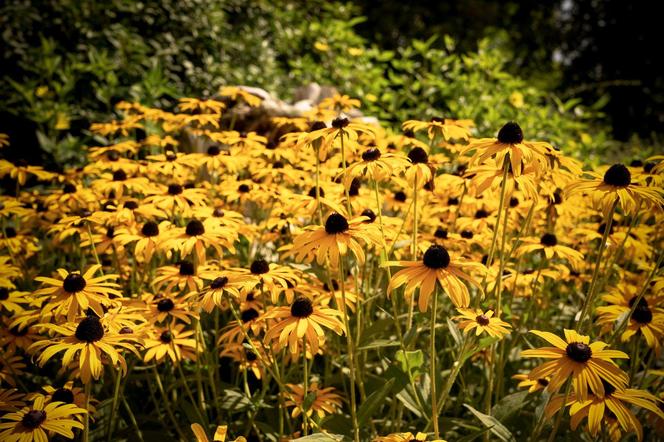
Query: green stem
{"type": "Point", "coordinates": [591, 291]}
{"type": "Point", "coordinates": [132, 418]}
{"type": "Point", "coordinates": [167, 404]}
{"type": "Point", "coordinates": [433, 375]}
{"type": "Point", "coordinates": [114, 404]}
{"type": "Point", "coordinates": [86, 428]}
{"type": "Point", "coordinates": [351, 354]}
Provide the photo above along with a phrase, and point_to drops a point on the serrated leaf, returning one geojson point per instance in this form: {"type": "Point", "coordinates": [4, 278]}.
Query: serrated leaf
{"type": "Point", "coordinates": [493, 424]}
{"type": "Point", "coordinates": [373, 401]}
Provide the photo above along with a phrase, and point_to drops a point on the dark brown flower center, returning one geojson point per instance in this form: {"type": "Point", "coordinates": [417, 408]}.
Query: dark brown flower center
{"type": "Point", "coordinates": [195, 228]}
{"type": "Point", "coordinates": [69, 188]}
{"type": "Point", "coordinates": [400, 196]}
{"type": "Point", "coordinates": [73, 283]}
{"type": "Point", "coordinates": [543, 382]}
{"type": "Point", "coordinates": [317, 125]}
{"type": "Point", "coordinates": [166, 337]}
{"type": "Point", "coordinates": [618, 175]}
{"type": "Point", "coordinates": [131, 205]}
{"type": "Point", "coordinates": [371, 154]}
{"type": "Point", "coordinates": [187, 268]}
{"type": "Point", "coordinates": [437, 119]}
{"type": "Point", "coordinates": [467, 234]}
{"type": "Point", "coordinates": [642, 314]}
{"type": "Point", "coordinates": [369, 214]}
{"type": "Point", "coordinates": [312, 192]}
{"type": "Point", "coordinates": [165, 305]}
{"type": "Point", "coordinates": [481, 214]}
{"type": "Point", "coordinates": [63, 395]}
{"type": "Point", "coordinates": [250, 355]}
{"type": "Point", "coordinates": [514, 201]}
{"type": "Point", "coordinates": [126, 330]}
{"type": "Point", "coordinates": [259, 267]}
{"type": "Point", "coordinates": [548, 240]}
{"type": "Point", "coordinates": [174, 189]}
{"type": "Point", "coordinates": [417, 155]}
{"type": "Point", "coordinates": [150, 228]}
{"type": "Point", "coordinates": [302, 307]}
{"type": "Point", "coordinates": [336, 223]}
{"type": "Point", "coordinates": [579, 352]}
{"type": "Point", "coordinates": [510, 133]}
{"type": "Point", "coordinates": [89, 329]}
{"type": "Point", "coordinates": [219, 282]}
{"type": "Point", "coordinates": [33, 419]}
{"type": "Point", "coordinates": [440, 233]}
{"type": "Point", "coordinates": [340, 123]}
{"type": "Point", "coordinates": [243, 188]}
{"type": "Point", "coordinates": [249, 315]}
{"type": "Point", "coordinates": [213, 150]}
{"type": "Point", "coordinates": [482, 320]}
{"type": "Point", "coordinates": [436, 257]}
{"type": "Point", "coordinates": [119, 175]}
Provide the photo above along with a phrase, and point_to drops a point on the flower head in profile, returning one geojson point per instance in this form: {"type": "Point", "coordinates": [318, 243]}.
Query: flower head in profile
{"type": "Point", "coordinates": [577, 359]}
{"type": "Point", "coordinates": [616, 184]}
{"type": "Point", "coordinates": [614, 405]}
{"type": "Point", "coordinates": [476, 319]}
{"type": "Point", "coordinates": [446, 128]}
{"type": "Point", "coordinates": [510, 146]}
{"type": "Point", "coordinates": [436, 266]}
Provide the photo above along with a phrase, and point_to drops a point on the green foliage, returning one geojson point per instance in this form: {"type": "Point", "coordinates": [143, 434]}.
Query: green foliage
{"type": "Point", "coordinates": [68, 63]}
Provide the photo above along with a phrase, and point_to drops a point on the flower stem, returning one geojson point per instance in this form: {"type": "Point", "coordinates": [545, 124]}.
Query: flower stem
{"type": "Point", "coordinates": [167, 404]}
{"type": "Point", "coordinates": [114, 405]}
{"type": "Point", "coordinates": [593, 283]}
{"type": "Point", "coordinates": [86, 429]}
{"type": "Point", "coordinates": [351, 353]}
{"type": "Point", "coordinates": [433, 375]}
{"type": "Point", "coordinates": [305, 420]}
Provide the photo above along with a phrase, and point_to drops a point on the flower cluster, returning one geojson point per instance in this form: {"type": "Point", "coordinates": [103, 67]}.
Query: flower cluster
{"type": "Point", "coordinates": [265, 274]}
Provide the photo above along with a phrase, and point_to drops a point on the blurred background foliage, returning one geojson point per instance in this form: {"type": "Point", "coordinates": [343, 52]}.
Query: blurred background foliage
{"type": "Point", "coordinates": [66, 63]}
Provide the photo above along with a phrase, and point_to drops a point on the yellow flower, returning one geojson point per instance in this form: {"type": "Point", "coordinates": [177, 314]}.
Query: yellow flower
{"type": "Point", "coordinates": [516, 99]}
{"type": "Point", "coordinates": [482, 322]}
{"type": "Point", "coordinates": [303, 320]}
{"type": "Point", "coordinates": [326, 400]}
{"type": "Point", "coordinates": [320, 46]}
{"type": "Point", "coordinates": [74, 293]}
{"type": "Point", "coordinates": [436, 266]}
{"type": "Point", "coordinates": [88, 340]}
{"type": "Point", "coordinates": [586, 364]}
{"type": "Point", "coordinates": [36, 422]}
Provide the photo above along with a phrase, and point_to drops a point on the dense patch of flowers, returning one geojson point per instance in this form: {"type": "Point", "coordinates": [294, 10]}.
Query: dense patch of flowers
{"type": "Point", "coordinates": [323, 274]}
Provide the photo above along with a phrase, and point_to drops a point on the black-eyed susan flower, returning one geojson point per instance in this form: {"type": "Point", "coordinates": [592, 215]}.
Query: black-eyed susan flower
{"type": "Point", "coordinates": [148, 237]}
{"type": "Point", "coordinates": [334, 239]}
{"type": "Point", "coordinates": [436, 266]}
{"type": "Point", "coordinates": [613, 405]}
{"type": "Point", "coordinates": [272, 277]}
{"type": "Point", "coordinates": [532, 385]}
{"type": "Point", "coordinates": [74, 293]}
{"type": "Point", "coordinates": [303, 320]}
{"type": "Point", "coordinates": [584, 363]}
{"type": "Point", "coordinates": [482, 322]}
{"type": "Point", "coordinates": [11, 400]}
{"type": "Point", "coordinates": [446, 128]}
{"type": "Point", "coordinates": [508, 145]}
{"type": "Point", "coordinates": [85, 342]}
{"type": "Point", "coordinates": [11, 367]}
{"type": "Point", "coordinates": [376, 165]}
{"type": "Point", "coordinates": [616, 185]}
{"type": "Point", "coordinates": [172, 341]}
{"type": "Point", "coordinates": [38, 421]}
{"type": "Point", "coordinates": [548, 244]}
{"type": "Point", "coordinates": [183, 275]}
{"type": "Point", "coordinates": [226, 282]}
{"type": "Point", "coordinates": [325, 400]}
{"type": "Point", "coordinates": [198, 236]}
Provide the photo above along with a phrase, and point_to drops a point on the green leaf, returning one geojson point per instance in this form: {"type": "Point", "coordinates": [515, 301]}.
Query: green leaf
{"type": "Point", "coordinates": [371, 404]}
{"type": "Point", "coordinates": [378, 343]}
{"type": "Point", "coordinates": [410, 362]}
{"type": "Point", "coordinates": [498, 429]}
{"type": "Point", "coordinates": [320, 437]}
{"type": "Point", "coordinates": [509, 405]}
{"type": "Point", "coordinates": [308, 400]}
{"type": "Point", "coordinates": [234, 400]}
